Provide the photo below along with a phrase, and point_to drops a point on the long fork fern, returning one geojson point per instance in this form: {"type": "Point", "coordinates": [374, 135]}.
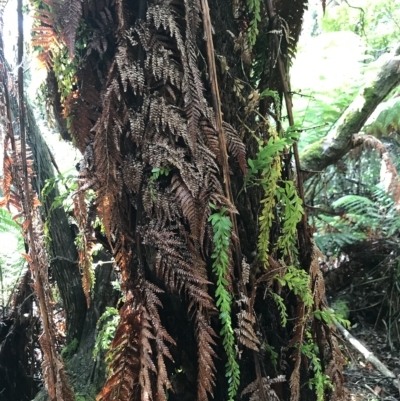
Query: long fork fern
{"type": "Point", "coordinates": [222, 227]}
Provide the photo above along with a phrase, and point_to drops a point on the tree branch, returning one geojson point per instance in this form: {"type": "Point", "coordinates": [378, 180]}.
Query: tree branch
{"type": "Point", "coordinates": [338, 142]}
{"type": "Point", "coordinates": [368, 355]}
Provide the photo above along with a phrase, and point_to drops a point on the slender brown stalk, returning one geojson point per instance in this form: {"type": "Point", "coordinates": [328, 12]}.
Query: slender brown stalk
{"type": "Point", "coordinates": [52, 366]}
{"type": "Point", "coordinates": [225, 164]}
{"type": "Point", "coordinates": [218, 120]}
{"type": "Point", "coordinates": [27, 206]}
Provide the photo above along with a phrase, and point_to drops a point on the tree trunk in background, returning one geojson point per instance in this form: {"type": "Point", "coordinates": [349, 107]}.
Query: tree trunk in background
{"type": "Point", "coordinates": [54, 109]}
{"type": "Point", "coordinates": [62, 253]}
{"type": "Point", "coordinates": [86, 374]}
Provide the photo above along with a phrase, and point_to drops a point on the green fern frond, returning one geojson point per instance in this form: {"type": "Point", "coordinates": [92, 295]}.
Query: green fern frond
{"type": "Point", "coordinates": [267, 166]}
{"type": "Point", "coordinates": [11, 265]}
{"type": "Point", "coordinates": [320, 381]}
{"type": "Point", "coordinates": [353, 203]}
{"type": "Point", "coordinates": [387, 121]}
{"type": "Point", "coordinates": [254, 8]}
{"type": "Point", "coordinates": [298, 281]}
{"type": "Point", "coordinates": [361, 217]}
{"type": "Point", "coordinates": [222, 227]}
{"type": "Point", "coordinates": [334, 241]}
{"type": "Point", "coordinates": [292, 213]}
{"type": "Point", "coordinates": [270, 180]}
{"type": "Point", "coordinates": [107, 325]}
{"type": "Point", "coordinates": [280, 303]}
{"type": "Point", "coordinates": [8, 224]}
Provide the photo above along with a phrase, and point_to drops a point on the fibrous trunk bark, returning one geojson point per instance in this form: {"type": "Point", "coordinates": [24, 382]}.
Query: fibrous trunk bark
{"type": "Point", "coordinates": [141, 114]}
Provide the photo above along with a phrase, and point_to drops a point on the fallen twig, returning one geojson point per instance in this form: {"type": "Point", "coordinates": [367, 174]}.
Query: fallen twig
{"type": "Point", "coordinates": [368, 355]}
{"type": "Point", "coordinates": [372, 390]}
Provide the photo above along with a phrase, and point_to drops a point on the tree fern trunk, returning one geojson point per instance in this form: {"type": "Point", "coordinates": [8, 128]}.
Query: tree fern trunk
{"type": "Point", "coordinates": [208, 284]}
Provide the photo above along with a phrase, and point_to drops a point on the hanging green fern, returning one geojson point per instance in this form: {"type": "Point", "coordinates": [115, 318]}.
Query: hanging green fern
{"type": "Point", "coordinates": [265, 156]}
{"type": "Point", "coordinates": [292, 212]}
{"type": "Point", "coordinates": [298, 281]}
{"type": "Point", "coordinates": [270, 180]}
{"type": "Point", "coordinates": [320, 381]}
{"type": "Point", "coordinates": [280, 303]}
{"type": "Point", "coordinates": [266, 165]}
{"type": "Point", "coordinates": [276, 98]}
{"type": "Point", "coordinates": [222, 227]}
{"type": "Point", "coordinates": [107, 325]}
{"type": "Point", "coordinates": [254, 8]}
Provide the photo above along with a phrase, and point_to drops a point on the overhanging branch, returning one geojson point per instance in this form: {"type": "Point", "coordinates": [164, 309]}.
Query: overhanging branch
{"type": "Point", "coordinates": [338, 141]}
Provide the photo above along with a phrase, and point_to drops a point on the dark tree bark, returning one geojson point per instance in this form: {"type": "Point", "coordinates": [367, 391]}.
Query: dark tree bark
{"type": "Point", "coordinates": [63, 256]}
{"type": "Point", "coordinates": [18, 340]}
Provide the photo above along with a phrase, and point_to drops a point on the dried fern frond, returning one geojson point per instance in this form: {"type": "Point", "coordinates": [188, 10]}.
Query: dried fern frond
{"type": "Point", "coordinates": [334, 369]}
{"type": "Point", "coordinates": [70, 16]}
{"type": "Point", "coordinates": [7, 181]}
{"type": "Point", "coordinates": [82, 118]}
{"type": "Point", "coordinates": [129, 71]}
{"type": "Point", "coordinates": [254, 389]}
{"type": "Point", "coordinates": [291, 15]}
{"type": "Point", "coordinates": [132, 172]}
{"type": "Point", "coordinates": [236, 146]}
{"type": "Point", "coordinates": [180, 275]}
{"type": "Point", "coordinates": [44, 32]}
{"type": "Point", "coordinates": [327, 339]}
{"type": "Point", "coordinates": [136, 356]}
{"type": "Point", "coordinates": [206, 371]}
{"type": "Point", "coordinates": [190, 206]}
{"type": "Point", "coordinates": [245, 271]}
{"type": "Point", "coordinates": [246, 319]}
{"type": "Point", "coordinates": [124, 355]}
{"type": "Point", "coordinates": [175, 265]}
{"type": "Point", "coordinates": [210, 135]}
{"type": "Point", "coordinates": [245, 330]}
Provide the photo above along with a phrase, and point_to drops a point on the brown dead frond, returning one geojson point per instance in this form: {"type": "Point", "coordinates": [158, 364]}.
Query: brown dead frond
{"type": "Point", "coordinates": [389, 176]}
{"type": "Point", "coordinates": [70, 14]}
{"type": "Point", "coordinates": [254, 390]}
{"type": "Point", "coordinates": [136, 357]}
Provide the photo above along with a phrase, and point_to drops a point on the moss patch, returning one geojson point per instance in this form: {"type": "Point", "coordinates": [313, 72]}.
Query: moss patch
{"type": "Point", "coordinates": [69, 349]}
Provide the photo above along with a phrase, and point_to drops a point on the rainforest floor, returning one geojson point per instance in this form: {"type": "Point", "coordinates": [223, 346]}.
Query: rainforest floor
{"type": "Point", "coordinates": [363, 285]}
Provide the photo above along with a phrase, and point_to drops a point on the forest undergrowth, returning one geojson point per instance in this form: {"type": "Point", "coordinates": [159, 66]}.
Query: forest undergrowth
{"type": "Point", "coordinates": [363, 287]}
